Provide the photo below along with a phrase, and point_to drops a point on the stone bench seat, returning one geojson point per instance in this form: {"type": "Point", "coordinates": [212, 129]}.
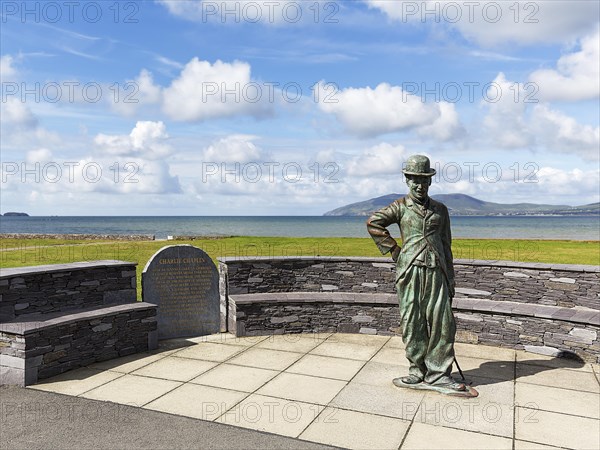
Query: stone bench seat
{"type": "Point", "coordinates": [39, 346]}
{"type": "Point", "coordinates": [58, 317]}
{"type": "Point", "coordinates": [27, 324]}
{"type": "Point", "coordinates": [574, 315]}
{"type": "Point", "coordinates": [522, 325]}
{"type": "Point", "coordinates": [582, 316]}
{"type": "Point", "coordinates": [310, 297]}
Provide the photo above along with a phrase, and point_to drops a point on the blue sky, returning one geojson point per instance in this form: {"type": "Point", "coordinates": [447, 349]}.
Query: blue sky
{"type": "Point", "coordinates": [294, 107]}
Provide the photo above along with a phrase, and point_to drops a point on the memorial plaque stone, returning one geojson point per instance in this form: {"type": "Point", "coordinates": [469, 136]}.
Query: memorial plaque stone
{"type": "Point", "coordinates": [184, 283]}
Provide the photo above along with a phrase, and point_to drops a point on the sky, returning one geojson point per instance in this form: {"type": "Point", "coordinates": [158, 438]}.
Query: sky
{"type": "Point", "coordinates": [185, 108]}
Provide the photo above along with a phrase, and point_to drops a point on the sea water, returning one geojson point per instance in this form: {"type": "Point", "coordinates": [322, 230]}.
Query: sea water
{"type": "Point", "coordinates": [501, 227]}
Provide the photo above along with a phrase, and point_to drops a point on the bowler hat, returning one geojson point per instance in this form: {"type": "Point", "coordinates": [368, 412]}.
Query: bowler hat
{"type": "Point", "coordinates": [418, 165]}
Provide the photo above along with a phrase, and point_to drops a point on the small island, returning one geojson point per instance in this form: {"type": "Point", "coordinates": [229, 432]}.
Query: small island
{"type": "Point", "coordinates": [16, 214]}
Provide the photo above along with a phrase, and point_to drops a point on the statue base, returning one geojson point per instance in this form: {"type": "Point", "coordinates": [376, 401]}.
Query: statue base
{"type": "Point", "coordinates": [469, 392]}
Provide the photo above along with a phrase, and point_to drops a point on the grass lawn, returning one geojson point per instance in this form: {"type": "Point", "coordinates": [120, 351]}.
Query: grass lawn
{"type": "Point", "coordinates": [31, 252]}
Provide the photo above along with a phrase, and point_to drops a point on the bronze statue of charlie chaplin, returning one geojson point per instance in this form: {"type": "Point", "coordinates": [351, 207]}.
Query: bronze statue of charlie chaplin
{"type": "Point", "coordinates": [424, 280]}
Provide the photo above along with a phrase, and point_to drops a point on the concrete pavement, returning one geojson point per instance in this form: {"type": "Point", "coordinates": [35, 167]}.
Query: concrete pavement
{"type": "Point", "coordinates": [330, 389]}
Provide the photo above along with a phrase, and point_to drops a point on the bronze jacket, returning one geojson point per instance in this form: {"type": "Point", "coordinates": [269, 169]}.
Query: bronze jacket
{"type": "Point", "coordinates": [426, 236]}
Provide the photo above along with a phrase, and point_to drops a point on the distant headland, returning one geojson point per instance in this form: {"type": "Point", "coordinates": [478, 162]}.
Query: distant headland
{"type": "Point", "coordinates": [465, 205]}
{"type": "Point", "coordinates": [13, 214]}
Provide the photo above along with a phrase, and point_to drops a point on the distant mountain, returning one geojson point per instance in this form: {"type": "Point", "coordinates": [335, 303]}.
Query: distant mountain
{"type": "Point", "coordinates": [364, 208]}
{"type": "Point", "coordinates": [465, 205]}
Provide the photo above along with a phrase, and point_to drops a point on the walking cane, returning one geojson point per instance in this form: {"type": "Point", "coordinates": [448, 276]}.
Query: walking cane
{"type": "Point", "coordinates": [459, 370]}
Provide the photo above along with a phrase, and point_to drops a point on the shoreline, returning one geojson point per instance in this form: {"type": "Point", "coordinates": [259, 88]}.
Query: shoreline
{"type": "Point", "coordinates": [153, 238]}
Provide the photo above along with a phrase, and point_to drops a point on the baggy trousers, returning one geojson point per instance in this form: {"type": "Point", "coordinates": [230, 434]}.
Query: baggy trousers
{"type": "Point", "coordinates": [428, 327]}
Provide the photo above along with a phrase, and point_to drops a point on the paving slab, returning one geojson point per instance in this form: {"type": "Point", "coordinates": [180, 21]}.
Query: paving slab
{"type": "Point", "coordinates": [129, 363]}
{"type": "Point", "coordinates": [484, 352]}
{"type": "Point", "coordinates": [524, 445]}
{"type": "Point", "coordinates": [379, 374]}
{"type": "Point", "coordinates": [346, 350]}
{"type": "Point", "coordinates": [326, 367]}
{"type": "Point", "coordinates": [423, 436]}
{"type": "Point", "coordinates": [303, 388]}
{"type": "Point", "coordinates": [488, 415]}
{"type": "Point", "coordinates": [290, 343]}
{"type": "Point", "coordinates": [493, 390]}
{"type": "Point", "coordinates": [565, 401]}
{"type": "Point", "coordinates": [238, 378]}
{"type": "Point", "coordinates": [210, 351]}
{"type": "Point", "coordinates": [230, 339]}
{"type": "Point", "coordinates": [362, 339]}
{"type": "Point", "coordinates": [382, 400]}
{"type": "Point", "coordinates": [479, 367]}
{"type": "Point", "coordinates": [200, 402]}
{"type": "Point", "coordinates": [266, 359]}
{"type": "Point", "coordinates": [132, 390]}
{"type": "Point", "coordinates": [321, 336]}
{"type": "Point", "coordinates": [553, 362]}
{"type": "Point", "coordinates": [391, 355]}
{"type": "Point", "coordinates": [561, 430]}
{"type": "Point", "coordinates": [395, 342]}
{"type": "Point", "coordinates": [176, 369]}
{"type": "Point", "coordinates": [272, 415]}
{"type": "Point", "coordinates": [170, 345]}
{"type": "Point", "coordinates": [76, 382]}
{"type": "Point", "coordinates": [356, 430]}
{"type": "Point", "coordinates": [562, 378]}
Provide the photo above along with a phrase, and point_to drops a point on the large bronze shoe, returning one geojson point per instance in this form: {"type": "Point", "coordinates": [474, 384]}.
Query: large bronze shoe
{"type": "Point", "coordinates": [410, 379]}
{"type": "Point", "coordinates": [450, 383]}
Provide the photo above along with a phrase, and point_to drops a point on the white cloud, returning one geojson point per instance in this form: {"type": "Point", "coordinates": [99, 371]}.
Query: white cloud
{"type": "Point", "coordinates": [141, 159]}
{"type": "Point", "coordinates": [238, 11]}
{"type": "Point", "coordinates": [446, 127]}
{"type": "Point", "coordinates": [39, 155]}
{"type": "Point", "coordinates": [505, 123]}
{"type": "Point", "coordinates": [148, 91]}
{"type": "Point", "coordinates": [201, 91]}
{"type": "Point", "coordinates": [562, 133]}
{"type": "Point", "coordinates": [576, 182]}
{"type": "Point", "coordinates": [382, 159]}
{"type": "Point", "coordinates": [145, 133]}
{"type": "Point", "coordinates": [121, 164]}
{"type": "Point", "coordinates": [7, 70]}
{"type": "Point", "coordinates": [169, 62]}
{"type": "Point", "coordinates": [207, 91]}
{"type": "Point", "coordinates": [545, 184]}
{"type": "Point", "coordinates": [152, 177]}
{"type": "Point", "coordinates": [511, 124]}
{"type": "Point", "coordinates": [146, 140]}
{"type": "Point", "coordinates": [17, 114]}
{"type": "Point", "coordinates": [21, 130]}
{"type": "Point", "coordinates": [492, 23]}
{"type": "Point", "coordinates": [116, 175]}
{"type": "Point", "coordinates": [140, 93]}
{"type": "Point", "coordinates": [368, 112]}
{"type": "Point", "coordinates": [233, 149]}
{"type": "Point", "coordinates": [577, 75]}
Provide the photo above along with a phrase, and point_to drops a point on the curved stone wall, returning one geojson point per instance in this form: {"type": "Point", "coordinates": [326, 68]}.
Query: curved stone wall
{"type": "Point", "coordinates": [539, 307]}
